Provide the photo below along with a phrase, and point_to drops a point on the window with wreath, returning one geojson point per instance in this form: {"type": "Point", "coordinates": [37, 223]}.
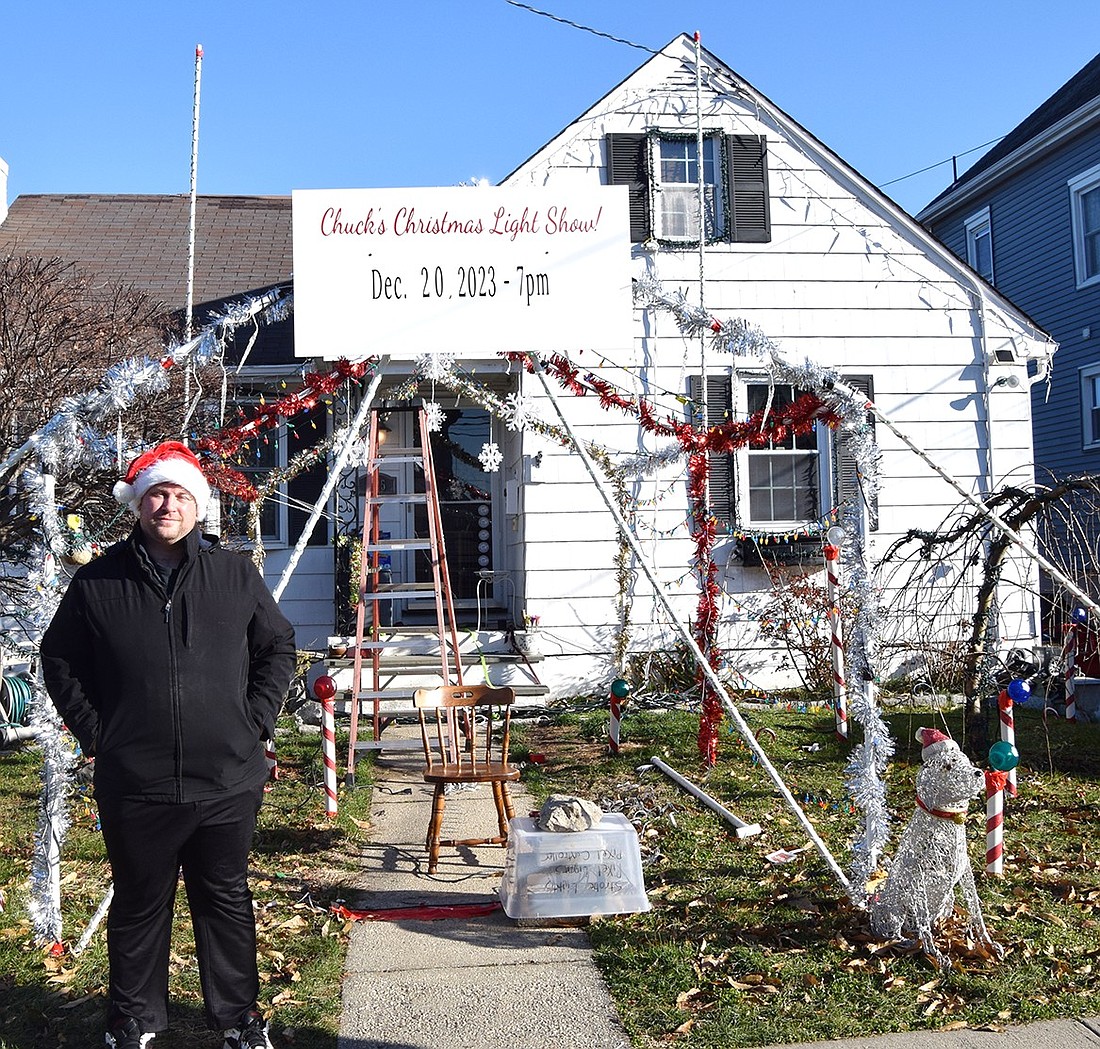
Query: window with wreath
{"type": "Point", "coordinates": [785, 484]}
{"type": "Point", "coordinates": [661, 171]}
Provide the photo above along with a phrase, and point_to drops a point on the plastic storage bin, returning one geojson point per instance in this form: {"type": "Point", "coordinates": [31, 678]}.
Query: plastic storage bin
{"type": "Point", "coordinates": [550, 874]}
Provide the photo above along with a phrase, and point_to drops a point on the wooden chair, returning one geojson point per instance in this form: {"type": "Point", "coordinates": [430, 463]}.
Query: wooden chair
{"type": "Point", "coordinates": [468, 744]}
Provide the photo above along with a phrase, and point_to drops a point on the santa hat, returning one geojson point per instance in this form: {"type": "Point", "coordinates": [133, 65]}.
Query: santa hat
{"type": "Point", "coordinates": [932, 742]}
{"type": "Point", "coordinates": [169, 463]}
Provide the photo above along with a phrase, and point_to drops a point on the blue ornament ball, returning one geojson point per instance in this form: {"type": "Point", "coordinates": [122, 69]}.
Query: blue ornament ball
{"type": "Point", "coordinates": [1003, 756]}
{"type": "Point", "coordinates": [619, 688]}
{"type": "Point", "coordinates": [1018, 690]}
{"type": "Point", "coordinates": [1080, 616]}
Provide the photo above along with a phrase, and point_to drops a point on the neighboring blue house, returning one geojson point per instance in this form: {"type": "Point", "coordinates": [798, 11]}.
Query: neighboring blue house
{"type": "Point", "coordinates": [1026, 216]}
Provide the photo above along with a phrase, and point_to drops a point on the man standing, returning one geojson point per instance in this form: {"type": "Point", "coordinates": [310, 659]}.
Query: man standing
{"type": "Point", "coordinates": [168, 659]}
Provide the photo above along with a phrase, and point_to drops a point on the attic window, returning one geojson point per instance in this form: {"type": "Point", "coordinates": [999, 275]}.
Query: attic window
{"type": "Point", "coordinates": [661, 170]}
{"type": "Point", "coordinates": [675, 188]}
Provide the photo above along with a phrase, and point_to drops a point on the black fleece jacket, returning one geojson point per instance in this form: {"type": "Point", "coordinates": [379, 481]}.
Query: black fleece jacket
{"type": "Point", "coordinates": [173, 693]}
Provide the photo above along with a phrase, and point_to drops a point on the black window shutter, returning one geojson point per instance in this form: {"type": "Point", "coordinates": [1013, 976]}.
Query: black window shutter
{"type": "Point", "coordinates": [720, 485]}
{"type": "Point", "coordinates": [626, 166]}
{"type": "Point", "coordinates": [747, 170]}
{"type": "Point", "coordinates": [847, 483]}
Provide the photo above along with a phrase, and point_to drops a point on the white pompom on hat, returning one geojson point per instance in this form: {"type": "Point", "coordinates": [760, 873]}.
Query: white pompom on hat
{"type": "Point", "coordinates": [169, 463]}
{"type": "Point", "coordinates": [932, 742]}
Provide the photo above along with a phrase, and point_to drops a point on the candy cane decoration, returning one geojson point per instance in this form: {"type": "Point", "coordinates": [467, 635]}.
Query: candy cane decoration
{"type": "Point", "coordinates": [328, 732]}
{"type": "Point", "coordinates": [1008, 734]}
{"type": "Point", "coordinates": [324, 688]}
{"type": "Point", "coordinates": [994, 821]}
{"type": "Point", "coordinates": [272, 759]}
{"type": "Point", "coordinates": [840, 688]}
{"type": "Point", "coordinates": [1069, 666]}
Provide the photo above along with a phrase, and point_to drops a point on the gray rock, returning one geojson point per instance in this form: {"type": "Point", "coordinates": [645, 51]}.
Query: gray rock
{"type": "Point", "coordinates": [563, 812]}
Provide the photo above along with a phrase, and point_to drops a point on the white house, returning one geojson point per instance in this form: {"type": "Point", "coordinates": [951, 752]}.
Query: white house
{"type": "Point", "coordinates": [807, 256]}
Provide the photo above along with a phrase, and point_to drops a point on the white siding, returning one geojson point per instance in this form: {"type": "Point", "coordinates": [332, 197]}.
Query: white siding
{"type": "Point", "coordinates": [846, 281]}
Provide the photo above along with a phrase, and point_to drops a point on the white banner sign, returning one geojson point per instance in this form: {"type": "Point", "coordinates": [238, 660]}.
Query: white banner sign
{"type": "Point", "coordinates": [468, 271]}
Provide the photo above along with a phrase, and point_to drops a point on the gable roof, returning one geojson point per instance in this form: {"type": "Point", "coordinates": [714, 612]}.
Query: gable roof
{"type": "Point", "coordinates": [1074, 103]}
{"type": "Point", "coordinates": [674, 66]}
{"type": "Point", "coordinates": [241, 243]}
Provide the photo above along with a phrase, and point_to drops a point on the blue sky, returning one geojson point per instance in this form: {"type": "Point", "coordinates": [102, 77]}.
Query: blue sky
{"type": "Point", "coordinates": [337, 93]}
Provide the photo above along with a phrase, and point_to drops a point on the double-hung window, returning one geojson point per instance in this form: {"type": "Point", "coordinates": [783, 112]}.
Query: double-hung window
{"type": "Point", "coordinates": [287, 506]}
{"type": "Point", "coordinates": [1090, 406]}
{"type": "Point", "coordinates": [675, 188]}
{"type": "Point", "coordinates": [661, 171]}
{"type": "Point", "coordinates": [979, 244]}
{"type": "Point", "coordinates": [783, 477]}
{"type": "Point", "coordinates": [784, 484]}
{"type": "Point", "coordinates": [1085, 209]}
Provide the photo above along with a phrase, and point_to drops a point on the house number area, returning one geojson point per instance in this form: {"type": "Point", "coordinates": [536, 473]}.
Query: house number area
{"type": "Point", "coordinates": [462, 282]}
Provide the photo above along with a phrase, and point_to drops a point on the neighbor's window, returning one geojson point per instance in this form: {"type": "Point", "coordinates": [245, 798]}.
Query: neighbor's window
{"type": "Point", "coordinates": [1085, 207]}
{"type": "Point", "coordinates": [1090, 405]}
{"type": "Point", "coordinates": [979, 244]}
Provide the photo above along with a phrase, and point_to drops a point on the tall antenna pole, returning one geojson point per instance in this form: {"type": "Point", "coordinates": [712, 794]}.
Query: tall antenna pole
{"type": "Point", "coordinates": [191, 236]}
{"type": "Point", "coordinates": [194, 188]}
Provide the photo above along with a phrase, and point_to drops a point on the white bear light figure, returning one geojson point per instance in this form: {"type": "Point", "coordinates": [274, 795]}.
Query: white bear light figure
{"type": "Point", "coordinates": [919, 891]}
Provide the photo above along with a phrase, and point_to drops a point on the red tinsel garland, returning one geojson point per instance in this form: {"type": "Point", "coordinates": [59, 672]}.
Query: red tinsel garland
{"type": "Point", "coordinates": [759, 430]}
{"type": "Point", "coordinates": [227, 441]}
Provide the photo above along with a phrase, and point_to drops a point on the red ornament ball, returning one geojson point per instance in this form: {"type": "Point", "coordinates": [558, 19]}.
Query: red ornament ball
{"type": "Point", "coordinates": [324, 687]}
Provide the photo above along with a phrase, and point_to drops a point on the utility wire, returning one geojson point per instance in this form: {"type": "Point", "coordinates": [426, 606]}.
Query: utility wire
{"type": "Point", "coordinates": [651, 51]}
{"type": "Point", "coordinates": [940, 163]}
{"type": "Point", "coordinates": [584, 28]}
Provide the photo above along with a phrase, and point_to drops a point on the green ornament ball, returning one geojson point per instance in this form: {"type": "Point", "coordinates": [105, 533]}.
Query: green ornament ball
{"type": "Point", "coordinates": [619, 688]}
{"type": "Point", "coordinates": [1003, 756]}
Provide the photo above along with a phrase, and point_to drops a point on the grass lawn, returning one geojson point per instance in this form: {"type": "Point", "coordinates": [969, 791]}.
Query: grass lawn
{"type": "Point", "coordinates": [736, 951]}
{"type": "Point", "coordinates": [301, 863]}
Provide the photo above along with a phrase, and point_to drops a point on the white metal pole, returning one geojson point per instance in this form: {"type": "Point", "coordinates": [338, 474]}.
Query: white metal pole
{"type": "Point", "coordinates": [194, 194]}
{"type": "Point", "coordinates": [333, 477]}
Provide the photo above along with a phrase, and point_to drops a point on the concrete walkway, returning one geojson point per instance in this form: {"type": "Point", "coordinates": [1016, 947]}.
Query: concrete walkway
{"type": "Point", "coordinates": [459, 983]}
{"type": "Point", "coordinates": [485, 982]}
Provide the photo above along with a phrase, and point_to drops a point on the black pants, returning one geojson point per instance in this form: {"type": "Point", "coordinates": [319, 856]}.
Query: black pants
{"type": "Point", "coordinates": [147, 844]}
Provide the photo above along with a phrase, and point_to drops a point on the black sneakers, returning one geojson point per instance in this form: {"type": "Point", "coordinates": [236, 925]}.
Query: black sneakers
{"type": "Point", "coordinates": [125, 1032]}
{"type": "Point", "coordinates": [252, 1034]}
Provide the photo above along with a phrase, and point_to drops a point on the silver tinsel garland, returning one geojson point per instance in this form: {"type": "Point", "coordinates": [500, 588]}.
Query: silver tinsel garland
{"type": "Point", "coordinates": [73, 439]}
{"type": "Point", "coordinates": [53, 819]}
{"type": "Point", "coordinates": [867, 763]}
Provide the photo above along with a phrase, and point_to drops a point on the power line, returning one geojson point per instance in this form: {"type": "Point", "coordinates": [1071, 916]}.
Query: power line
{"type": "Point", "coordinates": [651, 51]}
{"type": "Point", "coordinates": [583, 28]}
{"type": "Point", "coordinates": [939, 163]}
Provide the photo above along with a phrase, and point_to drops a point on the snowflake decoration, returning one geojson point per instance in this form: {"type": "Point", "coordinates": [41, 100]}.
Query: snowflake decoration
{"type": "Point", "coordinates": [436, 366]}
{"type": "Point", "coordinates": [491, 458]}
{"type": "Point", "coordinates": [433, 416]}
{"type": "Point", "coordinates": [517, 412]}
